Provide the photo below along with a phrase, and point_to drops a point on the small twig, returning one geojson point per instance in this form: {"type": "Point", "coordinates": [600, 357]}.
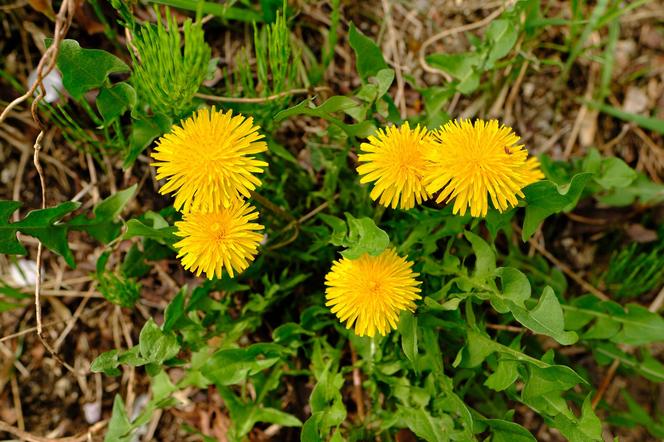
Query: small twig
{"type": "Point", "coordinates": [48, 324]}
{"type": "Point", "coordinates": [585, 219]}
{"type": "Point", "coordinates": [262, 99]}
{"type": "Point", "coordinates": [654, 307]}
{"type": "Point", "coordinates": [566, 269]}
{"type": "Point", "coordinates": [578, 122]}
{"type": "Point", "coordinates": [32, 438]}
{"type": "Point", "coordinates": [18, 408]}
{"type": "Point", "coordinates": [509, 328]}
{"type": "Point", "coordinates": [448, 32]}
{"type": "Point", "coordinates": [604, 385]}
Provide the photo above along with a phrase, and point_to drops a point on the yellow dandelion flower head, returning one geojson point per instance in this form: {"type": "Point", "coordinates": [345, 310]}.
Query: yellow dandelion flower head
{"type": "Point", "coordinates": [472, 162]}
{"type": "Point", "coordinates": [394, 160]}
{"type": "Point", "coordinates": [224, 239]}
{"type": "Point", "coordinates": [371, 291]}
{"type": "Point", "coordinates": [208, 160]}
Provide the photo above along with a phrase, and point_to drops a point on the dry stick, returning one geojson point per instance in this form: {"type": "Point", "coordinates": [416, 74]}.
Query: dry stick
{"type": "Point", "coordinates": [357, 384]}
{"type": "Point", "coordinates": [654, 307]}
{"type": "Point", "coordinates": [64, 17]}
{"type": "Point", "coordinates": [578, 123]}
{"type": "Point", "coordinates": [32, 438]}
{"type": "Point", "coordinates": [447, 32]}
{"type": "Point", "coordinates": [18, 408]}
{"type": "Point", "coordinates": [74, 318]}
{"type": "Point", "coordinates": [503, 327]}
{"type": "Point", "coordinates": [262, 99]}
{"type": "Point", "coordinates": [566, 269]}
{"type": "Point", "coordinates": [399, 97]}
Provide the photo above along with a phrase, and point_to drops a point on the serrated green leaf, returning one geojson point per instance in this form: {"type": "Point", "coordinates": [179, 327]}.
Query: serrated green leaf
{"type": "Point", "coordinates": [364, 236]}
{"type": "Point", "coordinates": [278, 417]}
{"type": "Point", "coordinates": [233, 365]}
{"type": "Point", "coordinates": [163, 235]}
{"type": "Point", "coordinates": [546, 318]}
{"type": "Point", "coordinates": [102, 226]}
{"type": "Point", "coordinates": [426, 426]}
{"type": "Point", "coordinates": [143, 131]}
{"type": "Point", "coordinates": [368, 56]}
{"type": "Point", "coordinates": [337, 103]}
{"type": "Point", "coordinates": [485, 258]}
{"type": "Point", "coordinates": [115, 100]}
{"type": "Point", "coordinates": [544, 198]}
{"type": "Point", "coordinates": [501, 35]}
{"type": "Point", "coordinates": [504, 376]}
{"type": "Point", "coordinates": [640, 326]}
{"type": "Point", "coordinates": [119, 427]}
{"type": "Point", "coordinates": [515, 289]}
{"type": "Point", "coordinates": [155, 345]}
{"type": "Point", "coordinates": [459, 66]}
{"type": "Point", "coordinates": [85, 69]}
{"type": "Point", "coordinates": [584, 429]}
{"type": "Point", "coordinates": [633, 324]}
{"type": "Point", "coordinates": [408, 331]}
{"type": "Point", "coordinates": [107, 363]}
{"type": "Point", "coordinates": [43, 224]}
{"type": "Point", "coordinates": [505, 431]}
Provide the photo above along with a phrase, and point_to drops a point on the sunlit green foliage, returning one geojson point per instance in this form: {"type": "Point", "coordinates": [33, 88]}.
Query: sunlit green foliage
{"type": "Point", "coordinates": [168, 70]}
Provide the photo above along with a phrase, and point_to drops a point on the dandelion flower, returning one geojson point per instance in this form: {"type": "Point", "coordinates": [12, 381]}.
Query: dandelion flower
{"type": "Point", "coordinates": [209, 161]}
{"type": "Point", "coordinates": [371, 291]}
{"type": "Point", "coordinates": [394, 160]}
{"type": "Point", "coordinates": [473, 162]}
{"type": "Point", "coordinates": [224, 239]}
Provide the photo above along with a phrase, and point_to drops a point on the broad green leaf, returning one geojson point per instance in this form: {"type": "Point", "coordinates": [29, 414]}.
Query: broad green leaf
{"type": "Point", "coordinates": [485, 258]}
{"type": "Point", "coordinates": [337, 103]}
{"type": "Point", "coordinates": [107, 363]}
{"type": "Point", "coordinates": [584, 429]}
{"type": "Point", "coordinates": [476, 350]}
{"type": "Point", "coordinates": [648, 367]}
{"type": "Point", "coordinates": [632, 324]}
{"type": "Point", "coordinates": [85, 69]}
{"type": "Point", "coordinates": [546, 318]}
{"type": "Point", "coordinates": [505, 431]}
{"type": "Point", "coordinates": [515, 289]}
{"type": "Point", "coordinates": [368, 56]}
{"type": "Point", "coordinates": [610, 172]}
{"type": "Point", "coordinates": [119, 427]}
{"type": "Point", "coordinates": [102, 226]}
{"type": "Point", "coordinates": [426, 426]}
{"type": "Point", "coordinates": [339, 229]}
{"type": "Point", "coordinates": [545, 198]}
{"type": "Point", "coordinates": [501, 35]}
{"type": "Point", "coordinates": [408, 330]}
{"type": "Point", "coordinates": [143, 131]}
{"type": "Point", "coordinates": [274, 416]}
{"type": "Point", "coordinates": [459, 66]}
{"type": "Point", "coordinates": [174, 315]}
{"type": "Point", "coordinates": [505, 375]}
{"type": "Point", "coordinates": [43, 224]}
{"type": "Point", "coordinates": [463, 67]}
{"type": "Point", "coordinates": [642, 189]}
{"type": "Point", "coordinates": [233, 365]}
{"type": "Point", "coordinates": [364, 236]}
{"type": "Point", "coordinates": [640, 326]}
{"type": "Point", "coordinates": [163, 235]}
{"type": "Point", "coordinates": [115, 100]}
{"type": "Point", "coordinates": [155, 345]}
